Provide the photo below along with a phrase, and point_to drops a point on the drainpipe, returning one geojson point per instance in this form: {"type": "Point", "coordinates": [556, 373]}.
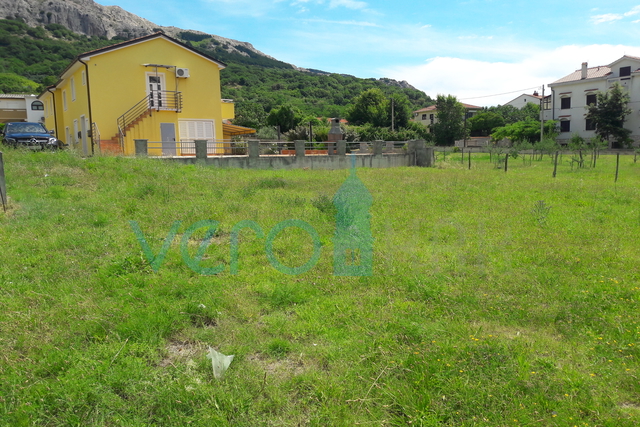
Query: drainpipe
{"type": "Point", "coordinates": [86, 67]}
{"type": "Point", "coordinates": [55, 114]}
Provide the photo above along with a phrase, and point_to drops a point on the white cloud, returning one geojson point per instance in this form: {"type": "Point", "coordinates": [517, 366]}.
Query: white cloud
{"type": "Point", "coordinates": [634, 11]}
{"type": "Point", "coordinates": [607, 17]}
{"type": "Point", "coordinates": [482, 82]}
{"type": "Point", "coordinates": [612, 17]}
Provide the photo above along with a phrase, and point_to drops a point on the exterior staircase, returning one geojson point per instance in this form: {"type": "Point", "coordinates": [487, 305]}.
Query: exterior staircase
{"type": "Point", "coordinates": [114, 144]}
{"type": "Point", "coordinates": [171, 101]}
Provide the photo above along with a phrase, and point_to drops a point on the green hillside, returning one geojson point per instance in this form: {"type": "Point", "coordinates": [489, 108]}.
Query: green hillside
{"type": "Point", "coordinates": [40, 54]}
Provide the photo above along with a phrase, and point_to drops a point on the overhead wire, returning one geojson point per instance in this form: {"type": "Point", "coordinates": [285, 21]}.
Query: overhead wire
{"type": "Point", "coordinates": [499, 94]}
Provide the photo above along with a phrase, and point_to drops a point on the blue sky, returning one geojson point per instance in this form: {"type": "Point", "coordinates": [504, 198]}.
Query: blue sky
{"type": "Point", "coordinates": [474, 49]}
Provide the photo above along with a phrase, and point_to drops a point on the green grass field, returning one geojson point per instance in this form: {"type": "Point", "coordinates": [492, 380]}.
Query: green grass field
{"type": "Point", "coordinates": [496, 299]}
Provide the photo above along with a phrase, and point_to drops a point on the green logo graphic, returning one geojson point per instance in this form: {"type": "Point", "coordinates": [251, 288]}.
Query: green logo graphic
{"type": "Point", "coordinates": [353, 242]}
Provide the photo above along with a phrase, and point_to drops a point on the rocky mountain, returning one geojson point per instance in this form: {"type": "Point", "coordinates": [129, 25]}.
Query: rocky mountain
{"type": "Point", "coordinates": [92, 19]}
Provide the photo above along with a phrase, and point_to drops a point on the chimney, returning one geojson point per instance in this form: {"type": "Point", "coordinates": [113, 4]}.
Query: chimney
{"type": "Point", "coordinates": [535, 93]}
{"type": "Point", "coordinates": [584, 71]}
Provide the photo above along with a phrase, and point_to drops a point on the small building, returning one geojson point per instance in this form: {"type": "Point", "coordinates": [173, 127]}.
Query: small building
{"type": "Point", "coordinates": [21, 108]}
{"type": "Point", "coordinates": [429, 115]}
{"type": "Point", "coordinates": [153, 87]}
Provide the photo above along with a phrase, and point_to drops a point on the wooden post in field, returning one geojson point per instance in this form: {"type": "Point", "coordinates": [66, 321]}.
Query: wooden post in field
{"type": "Point", "coordinates": [469, 154]}
{"type": "Point", "coordinates": [3, 184]}
{"type": "Point", "coordinates": [555, 165]}
{"type": "Point", "coordinates": [462, 155]}
{"type": "Point", "coordinates": [617, 166]}
{"type": "Point", "coordinates": [506, 162]}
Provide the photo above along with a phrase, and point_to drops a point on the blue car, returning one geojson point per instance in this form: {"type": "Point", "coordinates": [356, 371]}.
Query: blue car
{"type": "Point", "coordinates": [29, 135]}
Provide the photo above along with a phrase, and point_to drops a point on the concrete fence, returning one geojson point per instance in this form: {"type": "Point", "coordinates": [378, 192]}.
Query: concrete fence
{"type": "Point", "coordinates": [374, 154]}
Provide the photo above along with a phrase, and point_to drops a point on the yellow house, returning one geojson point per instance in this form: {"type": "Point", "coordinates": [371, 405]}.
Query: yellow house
{"type": "Point", "coordinates": [153, 87]}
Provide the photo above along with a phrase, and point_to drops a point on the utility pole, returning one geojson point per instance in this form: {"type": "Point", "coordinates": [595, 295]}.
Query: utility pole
{"type": "Point", "coordinates": [393, 116]}
{"type": "Point", "coordinates": [542, 115]}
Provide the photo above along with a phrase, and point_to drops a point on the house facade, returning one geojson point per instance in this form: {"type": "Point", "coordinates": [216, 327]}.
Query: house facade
{"type": "Point", "coordinates": [153, 87]}
{"type": "Point", "coordinates": [429, 115]}
{"type": "Point", "coordinates": [21, 108]}
{"type": "Point", "coordinates": [522, 100]}
{"type": "Point", "coordinates": [571, 95]}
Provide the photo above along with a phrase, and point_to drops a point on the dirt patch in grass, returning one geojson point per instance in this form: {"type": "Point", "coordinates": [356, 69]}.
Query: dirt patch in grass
{"type": "Point", "coordinates": [180, 352]}
{"type": "Point", "coordinates": [288, 367]}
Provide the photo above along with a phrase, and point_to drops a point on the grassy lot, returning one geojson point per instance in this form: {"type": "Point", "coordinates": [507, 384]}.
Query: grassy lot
{"type": "Point", "coordinates": [496, 299]}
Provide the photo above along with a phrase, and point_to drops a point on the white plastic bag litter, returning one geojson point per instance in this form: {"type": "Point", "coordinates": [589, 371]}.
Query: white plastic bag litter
{"type": "Point", "coordinates": [219, 361]}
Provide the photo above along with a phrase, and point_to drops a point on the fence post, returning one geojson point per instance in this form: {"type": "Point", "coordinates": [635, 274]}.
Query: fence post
{"type": "Point", "coordinates": [201, 149]}
{"type": "Point", "coordinates": [142, 149]}
{"type": "Point", "coordinates": [254, 149]}
{"type": "Point", "coordinates": [377, 148]}
{"type": "Point", "coordinates": [423, 154]}
{"type": "Point", "coordinates": [389, 146]}
{"type": "Point", "coordinates": [342, 148]}
{"type": "Point", "coordinates": [300, 148]}
{"type": "Point", "coordinates": [3, 184]}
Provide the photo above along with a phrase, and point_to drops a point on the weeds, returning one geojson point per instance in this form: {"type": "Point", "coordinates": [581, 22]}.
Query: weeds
{"type": "Point", "coordinates": [540, 212]}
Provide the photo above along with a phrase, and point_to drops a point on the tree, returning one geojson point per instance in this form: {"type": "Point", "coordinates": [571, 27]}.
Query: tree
{"type": "Point", "coordinates": [450, 125]}
{"type": "Point", "coordinates": [12, 83]}
{"type": "Point", "coordinates": [608, 115]}
{"type": "Point", "coordinates": [285, 116]}
{"type": "Point", "coordinates": [250, 114]}
{"type": "Point", "coordinates": [401, 106]}
{"type": "Point", "coordinates": [368, 107]}
{"type": "Point", "coordinates": [524, 131]}
{"type": "Point", "coordinates": [511, 114]}
{"type": "Point", "coordinates": [482, 124]}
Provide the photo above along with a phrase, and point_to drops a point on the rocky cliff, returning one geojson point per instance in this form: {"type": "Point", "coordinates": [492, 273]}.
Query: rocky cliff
{"type": "Point", "coordinates": [92, 19]}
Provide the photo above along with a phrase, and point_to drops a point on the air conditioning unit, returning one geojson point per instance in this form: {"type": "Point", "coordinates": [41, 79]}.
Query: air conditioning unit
{"type": "Point", "coordinates": [182, 72]}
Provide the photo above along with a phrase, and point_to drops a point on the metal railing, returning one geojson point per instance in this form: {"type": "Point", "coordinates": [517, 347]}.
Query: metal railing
{"type": "Point", "coordinates": [187, 148]}
{"type": "Point", "coordinates": [159, 100]}
{"type": "Point", "coordinates": [95, 134]}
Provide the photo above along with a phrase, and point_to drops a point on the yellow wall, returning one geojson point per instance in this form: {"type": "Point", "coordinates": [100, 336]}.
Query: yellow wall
{"type": "Point", "coordinates": [228, 110]}
{"type": "Point", "coordinates": [118, 81]}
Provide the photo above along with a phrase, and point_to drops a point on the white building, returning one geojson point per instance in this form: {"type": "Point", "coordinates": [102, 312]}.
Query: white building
{"type": "Point", "coordinates": [429, 115]}
{"type": "Point", "coordinates": [521, 101]}
{"type": "Point", "coordinates": [572, 93]}
{"type": "Point", "coordinates": [20, 108]}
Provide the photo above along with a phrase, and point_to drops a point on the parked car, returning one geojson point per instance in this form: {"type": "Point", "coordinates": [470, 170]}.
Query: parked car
{"type": "Point", "coordinates": [30, 135]}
